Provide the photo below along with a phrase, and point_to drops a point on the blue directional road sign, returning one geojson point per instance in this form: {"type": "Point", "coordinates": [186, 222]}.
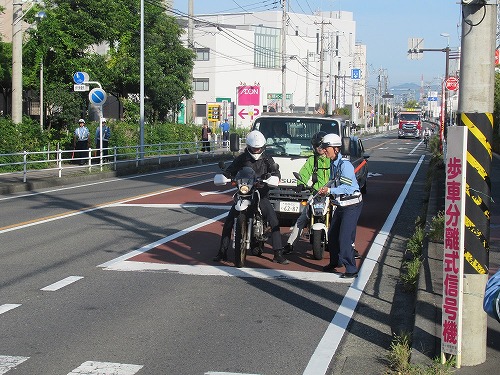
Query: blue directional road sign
{"type": "Point", "coordinates": [97, 96]}
{"type": "Point", "coordinates": [80, 77]}
{"type": "Point", "coordinates": [355, 73]}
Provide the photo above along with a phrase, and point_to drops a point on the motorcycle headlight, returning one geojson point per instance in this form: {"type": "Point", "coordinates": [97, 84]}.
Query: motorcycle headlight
{"type": "Point", "coordinates": [244, 189]}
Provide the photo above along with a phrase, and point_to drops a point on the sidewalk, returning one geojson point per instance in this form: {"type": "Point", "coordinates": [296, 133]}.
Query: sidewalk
{"type": "Point", "coordinates": [426, 333]}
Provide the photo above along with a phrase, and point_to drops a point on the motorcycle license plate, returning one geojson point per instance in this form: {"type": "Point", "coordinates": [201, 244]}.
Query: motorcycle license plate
{"type": "Point", "coordinates": [289, 207]}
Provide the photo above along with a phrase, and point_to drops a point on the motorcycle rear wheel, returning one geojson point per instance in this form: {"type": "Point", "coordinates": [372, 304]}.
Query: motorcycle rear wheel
{"type": "Point", "coordinates": [319, 244]}
{"type": "Point", "coordinates": [240, 235]}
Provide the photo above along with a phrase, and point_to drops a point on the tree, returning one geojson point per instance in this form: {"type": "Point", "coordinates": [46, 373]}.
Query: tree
{"type": "Point", "coordinates": [103, 39]}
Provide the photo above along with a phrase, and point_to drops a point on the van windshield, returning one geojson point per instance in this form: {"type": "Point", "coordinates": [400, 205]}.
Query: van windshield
{"type": "Point", "coordinates": [292, 136]}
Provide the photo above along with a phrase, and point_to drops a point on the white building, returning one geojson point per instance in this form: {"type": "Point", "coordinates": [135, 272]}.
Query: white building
{"type": "Point", "coordinates": [246, 49]}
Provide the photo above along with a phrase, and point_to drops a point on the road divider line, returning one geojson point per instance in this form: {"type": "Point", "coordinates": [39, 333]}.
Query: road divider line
{"type": "Point", "coordinates": [62, 283]}
{"type": "Point", "coordinates": [329, 343]}
{"type": "Point", "coordinates": [7, 307]}
{"type": "Point", "coordinates": [176, 205]}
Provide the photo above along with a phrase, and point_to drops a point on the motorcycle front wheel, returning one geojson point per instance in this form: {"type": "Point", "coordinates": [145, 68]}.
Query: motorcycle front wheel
{"type": "Point", "coordinates": [318, 242]}
{"type": "Point", "coordinates": [240, 236]}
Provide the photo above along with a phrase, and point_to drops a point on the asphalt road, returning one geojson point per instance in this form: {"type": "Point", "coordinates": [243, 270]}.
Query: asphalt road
{"type": "Point", "coordinates": [115, 276]}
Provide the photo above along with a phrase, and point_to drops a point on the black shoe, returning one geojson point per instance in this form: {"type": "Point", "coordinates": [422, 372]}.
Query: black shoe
{"type": "Point", "coordinates": [330, 267]}
{"type": "Point", "coordinates": [356, 254]}
{"type": "Point", "coordinates": [279, 258]}
{"type": "Point", "coordinates": [349, 275]}
{"type": "Point", "coordinates": [221, 255]}
{"type": "Point", "coordinates": [288, 249]}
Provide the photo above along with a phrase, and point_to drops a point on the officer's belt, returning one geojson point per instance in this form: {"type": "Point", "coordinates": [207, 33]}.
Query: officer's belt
{"type": "Point", "coordinates": [348, 199]}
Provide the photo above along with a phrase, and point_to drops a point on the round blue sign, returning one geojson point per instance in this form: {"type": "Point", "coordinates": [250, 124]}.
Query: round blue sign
{"type": "Point", "coordinates": [97, 96]}
{"type": "Point", "coordinates": [80, 77]}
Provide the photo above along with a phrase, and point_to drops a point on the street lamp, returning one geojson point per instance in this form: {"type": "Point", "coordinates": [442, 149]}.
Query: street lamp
{"type": "Point", "coordinates": [447, 36]}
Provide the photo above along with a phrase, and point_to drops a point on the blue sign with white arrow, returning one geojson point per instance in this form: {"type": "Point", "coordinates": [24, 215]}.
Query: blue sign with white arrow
{"type": "Point", "coordinates": [97, 96]}
{"type": "Point", "coordinates": [80, 77]}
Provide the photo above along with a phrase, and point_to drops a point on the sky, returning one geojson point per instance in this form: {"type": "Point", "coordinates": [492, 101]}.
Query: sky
{"type": "Point", "coordinates": [384, 26]}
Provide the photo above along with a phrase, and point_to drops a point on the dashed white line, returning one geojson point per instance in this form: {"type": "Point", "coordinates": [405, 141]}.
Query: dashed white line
{"type": "Point", "coordinates": [7, 307]}
{"type": "Point", "coordinates": [62, 283]}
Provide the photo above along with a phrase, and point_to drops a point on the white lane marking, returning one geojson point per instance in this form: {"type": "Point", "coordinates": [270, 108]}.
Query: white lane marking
{"type": "Point", "coordinates": [62, 283]}
{"type": "Point", "coordinates": [104, 368]}
{"type": "Point", "coordinates": [416, 147]}
{"type": "Point", "coordinates": [327, 347]}
{"type": "Point", "coordinates": [8, 362]}
{"type": "Point", "coordinates": [64, 216]}
{"type": "Point", "coordinates": [7, 307]}
{"type": "Point", "coordinates": [175, 205]}
{"type": "Point", "coordinates": [162, 241]}
{"type": "Point", "coordinates": [102, 182]}
{"type": "Point", "coordinates": [205, 270]}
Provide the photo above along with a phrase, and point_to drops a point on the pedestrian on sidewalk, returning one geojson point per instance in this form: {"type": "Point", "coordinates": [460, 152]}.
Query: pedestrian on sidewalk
{"type": "Point", "coordinates": [347, 197]}
{"type": "Point", "coordinates": [106, 131]}
{"type": "Point", "coordinates": [224, 127]}
{"type": "Point", "coordinates": [81, 141]}
{"type": "Point", "coordinates": [205, 137]}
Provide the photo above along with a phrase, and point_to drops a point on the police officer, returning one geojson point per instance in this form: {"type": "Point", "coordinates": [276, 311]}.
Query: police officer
{"type": "Point", "coordinates": [224, 127]}
{"type": "Point", "coordinates": [81, 140]}
{"type": "Point", "coordinates": [347, 197]}
{"type": "Point", "coordinates": [316, 168]}
{"type": "Point", "coordinates": [106, 131]}
{"type": "Point", "coordinates": [255, 158]}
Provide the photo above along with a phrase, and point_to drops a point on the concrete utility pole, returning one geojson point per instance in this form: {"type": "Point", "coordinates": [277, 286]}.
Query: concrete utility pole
{"type": "Point", "coordinates": [17, 62]}
{"type": "Point", "coordinates": [283, 57]}
{"type": "Point", "coordinates": [190, 101]}
{"type": "Point", "coordinates": [475, 110]}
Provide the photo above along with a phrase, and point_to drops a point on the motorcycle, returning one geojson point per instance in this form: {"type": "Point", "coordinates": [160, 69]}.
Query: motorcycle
{"type": "Point", "coordinates": [319, 211]}
{"type": "Point", "coordinates": [251, 231]}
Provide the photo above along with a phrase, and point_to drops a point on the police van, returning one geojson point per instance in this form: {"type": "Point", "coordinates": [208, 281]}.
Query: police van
{"type": "Point", "coordinates": [288, 141]}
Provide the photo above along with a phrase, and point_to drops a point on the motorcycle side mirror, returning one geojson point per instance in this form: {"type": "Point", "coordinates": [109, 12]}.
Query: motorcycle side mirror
{"type": "Point", "coordinates": [296, 175]}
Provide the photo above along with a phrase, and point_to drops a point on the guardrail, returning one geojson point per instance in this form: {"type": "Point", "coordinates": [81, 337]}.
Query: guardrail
{"type": "Point", "coordinates": [63, 161]}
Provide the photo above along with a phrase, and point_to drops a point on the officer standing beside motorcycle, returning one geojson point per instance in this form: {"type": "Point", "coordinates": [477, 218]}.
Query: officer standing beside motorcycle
{"type": "Point", "coordinates": [348, 199]}
{"type": "Point", "coordinates": [255, 158]}
{"type": "Point", "coordinates": [316, 168]}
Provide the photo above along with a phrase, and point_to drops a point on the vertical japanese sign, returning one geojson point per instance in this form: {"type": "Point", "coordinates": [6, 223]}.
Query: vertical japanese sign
{"type": "Point", "coordinates": [453, 255]}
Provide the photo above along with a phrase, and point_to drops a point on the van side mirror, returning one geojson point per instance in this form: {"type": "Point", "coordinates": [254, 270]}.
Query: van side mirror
{"type": "Point", "coordinates": [345, 149]}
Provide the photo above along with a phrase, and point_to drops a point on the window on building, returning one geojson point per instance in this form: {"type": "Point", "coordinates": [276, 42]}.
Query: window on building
{"type": "Point", "coordinates": [267, 48]}
{"type": "Point", "coordinates": [200, 84]}
{"type": "Point", "coordinates": [202, 54]}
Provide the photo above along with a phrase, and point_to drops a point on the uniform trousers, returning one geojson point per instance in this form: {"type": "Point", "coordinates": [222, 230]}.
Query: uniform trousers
{"type": "Point", "coordinates": [342, 234]}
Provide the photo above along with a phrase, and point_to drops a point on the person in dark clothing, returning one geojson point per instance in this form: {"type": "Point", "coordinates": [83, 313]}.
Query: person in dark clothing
{"type": "Point", "coordinates": [255, 158]}
{"type": "Point", "coordinates": [205, 137]}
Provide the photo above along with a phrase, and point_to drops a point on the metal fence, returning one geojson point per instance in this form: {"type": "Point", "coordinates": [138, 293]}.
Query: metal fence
{"type": "Point", "coordinates": [63, 162]}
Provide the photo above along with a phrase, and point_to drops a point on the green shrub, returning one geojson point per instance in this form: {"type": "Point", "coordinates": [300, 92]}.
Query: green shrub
{"type": "Point", "coordinates": [436, 232]}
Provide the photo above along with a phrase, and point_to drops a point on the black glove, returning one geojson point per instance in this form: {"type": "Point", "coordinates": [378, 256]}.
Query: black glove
{"type": "Point", "coordinates": [299, 188]}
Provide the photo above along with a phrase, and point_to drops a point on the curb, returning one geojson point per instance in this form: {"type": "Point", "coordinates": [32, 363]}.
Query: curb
{"type": "Point", "coordinates": [426, 337]}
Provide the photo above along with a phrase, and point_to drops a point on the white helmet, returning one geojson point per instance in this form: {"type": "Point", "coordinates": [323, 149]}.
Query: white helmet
{"type": "Point", "coordinates": [256, 143]}
{"type": "Point", "coordinates": [331, 140]}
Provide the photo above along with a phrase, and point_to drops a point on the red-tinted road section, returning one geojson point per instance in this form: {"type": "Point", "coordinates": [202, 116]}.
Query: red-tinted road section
{"type": "Point", "coordinates": [200, 246]}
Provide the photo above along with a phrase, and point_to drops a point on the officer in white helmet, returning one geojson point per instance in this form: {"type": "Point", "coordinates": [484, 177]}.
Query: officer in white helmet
{"type": "Point", "coordinates": [347, 197]}
{"type": "Point", "coordinates": [255, 158]}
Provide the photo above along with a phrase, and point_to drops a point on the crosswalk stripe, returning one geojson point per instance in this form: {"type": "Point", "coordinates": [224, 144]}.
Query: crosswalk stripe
{"type": "Point", "coordinates": [98, 368]}
{"type": "Point", "coordinates": [8, 362]}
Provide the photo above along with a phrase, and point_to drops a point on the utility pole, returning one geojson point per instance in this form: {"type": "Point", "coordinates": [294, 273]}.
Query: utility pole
{"type": "Point", "coordinates": [306, 106]}
{"type": "Point", "coordinates": [475, 110]}
{"type": "Point", "coordinates": [283, 57]}
{"type": "Point", "coordinates": [17, 62]}
{"type": "Point", "coordinates": [190, 102]}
